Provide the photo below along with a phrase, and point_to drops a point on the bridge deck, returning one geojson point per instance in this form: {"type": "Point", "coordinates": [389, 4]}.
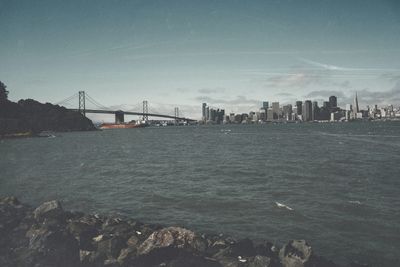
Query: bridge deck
{"type": "Point", "coordinates": [99, 111]}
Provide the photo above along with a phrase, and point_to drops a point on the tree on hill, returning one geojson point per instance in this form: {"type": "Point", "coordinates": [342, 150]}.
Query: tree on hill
{"type": "Point", "coordinates": [3, 92]}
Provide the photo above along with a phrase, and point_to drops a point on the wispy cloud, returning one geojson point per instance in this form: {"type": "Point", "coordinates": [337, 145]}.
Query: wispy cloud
{"type": "Point", "coordinates": [238, 100]}
{"type": "Point", "coordinates": [340, 68]}
{"type": "Point", "coordinates": [211, 90]}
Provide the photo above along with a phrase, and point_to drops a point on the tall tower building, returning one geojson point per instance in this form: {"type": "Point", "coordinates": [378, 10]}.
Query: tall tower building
{"type": "Point", "coordinates": [203, 112]}
{"type": "Point", "coordinates": [333, 101]}
{"type": "Point", "coordinates": [299, 106]}
{"type": "Point", "coordinates": [265, 105]}
{"type": "Point", "coordinates": [275, 110]}
{"type": "Point", "coordinates": [355, 107]}
{"type": "Point", "coordinates": [315, 111]}
{"type": "Point", "coordinates": [307, 110]}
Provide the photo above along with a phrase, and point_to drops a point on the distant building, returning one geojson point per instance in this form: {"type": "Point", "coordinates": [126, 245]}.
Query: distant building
{"type": "Point", "coordinates": [270, 114]}
{"type": "Point", "coordinates": [356, 109]}
{"type": "Point", "coordinates": [287, 112]}
{"type": "Point", "coordinates": [299, 107]}
{"type": "Point", "coordinates": [275, 110]}
{"type": "Point", "coordinates": [307, 111]}
{"type": "Point", "coordinates": [315, 111]}
{"type": "Point", "coordinates": [265, 105]}
{"type": "Point", "coordinates": [203, 112]}
{"type": "Point", "coordinates": [333, 101]}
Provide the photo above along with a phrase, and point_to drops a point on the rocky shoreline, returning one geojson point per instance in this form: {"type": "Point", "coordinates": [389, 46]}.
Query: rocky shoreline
{"type": "Point", "coordinates": [50, 236]}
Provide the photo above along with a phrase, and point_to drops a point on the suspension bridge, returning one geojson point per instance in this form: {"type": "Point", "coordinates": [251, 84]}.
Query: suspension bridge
{"type": "Point", "coordinates": [83, 98]}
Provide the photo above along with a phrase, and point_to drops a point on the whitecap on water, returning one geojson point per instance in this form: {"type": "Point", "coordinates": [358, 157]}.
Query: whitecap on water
{"type": "Point", "coordinates": [354, 202]}
{"type": "Point", "coordinates": [280, 205]}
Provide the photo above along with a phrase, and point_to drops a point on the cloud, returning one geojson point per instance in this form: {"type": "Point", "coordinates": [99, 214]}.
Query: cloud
{"type": "Point", "coordinates": [325, 94]}
{"type": "Point", "coordinates": [211, 90]}
{"type": "Point", "coordinates": [238, 100]}
{"type": "Point", "coordinates": [284, 94]}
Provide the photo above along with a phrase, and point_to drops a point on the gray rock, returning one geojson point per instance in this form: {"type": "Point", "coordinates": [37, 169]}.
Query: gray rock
{"type": "Point", "coordinates": [173, 237]}
{"type": "Point", "coordinates": [243, 247]}
{"type": "Point", "coordinates": [126, 256]}
{"type": "Point", "coordinates": [49, 210]}
{"type": "Point", "coordinates": [52, 248]}
{"type": "Point", "coordinates": [260, 261]}
{"type": "Point", "coordinates": [297, 253]}
{"type": "Point", "coordinates": [111, 247]}
{"type": "Point", "coordinates": [84, 233]}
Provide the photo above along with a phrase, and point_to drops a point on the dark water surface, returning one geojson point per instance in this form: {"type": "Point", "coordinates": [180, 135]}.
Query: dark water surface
{"type": "Point", "coordinates": [342, 181]}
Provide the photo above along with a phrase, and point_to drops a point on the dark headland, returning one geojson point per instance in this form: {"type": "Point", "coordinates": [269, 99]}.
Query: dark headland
{"type": "Point", "coordinates": [29, 117]}
{"type": "Point", "coordinates": [51, 236]}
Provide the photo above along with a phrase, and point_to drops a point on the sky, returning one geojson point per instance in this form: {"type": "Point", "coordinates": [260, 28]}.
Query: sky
{"type": "Point", "coordinates": [229, 54]}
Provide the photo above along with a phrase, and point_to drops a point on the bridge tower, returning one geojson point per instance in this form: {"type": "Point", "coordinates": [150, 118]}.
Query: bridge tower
{"type": "Point", "coordinates": [145, 111]}
{"type": "Point", "coordinates": [82, 104]}
{"type": "Point", "coordinates": [176, 115]}
{"type": "Point", "coordinates": [119, 117]}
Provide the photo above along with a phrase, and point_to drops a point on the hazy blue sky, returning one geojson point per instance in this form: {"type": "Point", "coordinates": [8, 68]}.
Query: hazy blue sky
{"type": "Point", "coordinates": [231, 54]}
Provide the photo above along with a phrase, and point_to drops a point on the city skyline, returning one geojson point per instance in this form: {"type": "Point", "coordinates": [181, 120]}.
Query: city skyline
{"type": "Point", "coordinates": [184, 52]}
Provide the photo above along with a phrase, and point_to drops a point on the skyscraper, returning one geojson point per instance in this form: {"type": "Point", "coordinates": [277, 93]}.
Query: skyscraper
{"type": "Point", "coordinates": [333, 101]}
{"type": "Point", "coordinates": [299, 106]}
{"type": "Point", "coordinates": [356, 109]}
{"type": "Point", "coordinates": [203, 112]}
{"type": "Point", "coordinates": [275, 110]}
{"type": "Point", "coordinates": [265, 105]}
{"type": "Point", "coordinates": [307, 110]}
{"type": "Point", "coordinates": [315, 111]}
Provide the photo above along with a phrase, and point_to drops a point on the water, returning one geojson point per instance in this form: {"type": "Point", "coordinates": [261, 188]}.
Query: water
{"type": "Point", "coordinates": [341, 180]}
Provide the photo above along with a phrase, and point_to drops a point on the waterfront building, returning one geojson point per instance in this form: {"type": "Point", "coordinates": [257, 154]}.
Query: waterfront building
{"type": "Point", "coordinates": [356, 109]}
{"type": "Point", "coordinates": [232, 117]}
{"type": "Point", "coordinates": [299, 107]}
{"type": "Point", "coordinates": [287, 112]}
{"type": "Point", "coordinates": [307, 111]}
{"type": "Point", "coordinates": [333, 101]}
{"type": "Point", "coordinates": [263, 114]}
{"type": "Point", "coordinates": [270, 114]}
{"type": "Point", "coordinates": [275, 110]}
{"type": "Point", "coordinates": [315, 111]}
{"type": "Point", "coordinates": [203, 112]}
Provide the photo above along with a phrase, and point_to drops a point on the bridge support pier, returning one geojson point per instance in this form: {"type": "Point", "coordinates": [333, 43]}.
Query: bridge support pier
{"type": "Point", "coordinates": [119, 117]}
{"type": "Point", "coordinates": [82, 103]}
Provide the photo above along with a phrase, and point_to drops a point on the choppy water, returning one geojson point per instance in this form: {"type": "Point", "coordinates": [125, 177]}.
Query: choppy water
{"type": "Point", "coordinates": [341, 180]}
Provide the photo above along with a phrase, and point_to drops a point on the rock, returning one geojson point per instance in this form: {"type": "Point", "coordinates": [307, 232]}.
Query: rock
{"type": "Point", "coordinates": [243, 247]}
{"type": "Point", "coordinates": [297, 253]}
{"type": "Point", "coordinates": [133, 241]}
{"type": "Point", "coordinates": [265, 249]}
{"type": "Point", "coordinates": [260, 261]}
{"type": "Point", "coordinates": [49, 210]}
{"type": "Point", "coordinates": [52, 247]}
{"type": "Point", "coordinates": [84, 233]}
{"type": "Point", "coordinates": [127, 255]}
{"type": "Point", "coordinates": [111, 246]}
{"type": "Point", "coordinates": [111, 263]}
{"type": "Point", "coordinates": [173, 237]}
{"type": "Point", "coordinates": [187, 259]}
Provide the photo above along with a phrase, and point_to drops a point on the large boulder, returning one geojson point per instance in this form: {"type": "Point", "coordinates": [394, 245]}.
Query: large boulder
{"type": "Point", "coordinates": [49, 210]}
{"type": "Point", "coordinates": [260, 261]}
{"type": "Point", "coordinates": [297, 253]}
{"type": "Point", "coordinates": [173, 237]}
{"type": "Point", "coordinates": [51, 247]}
